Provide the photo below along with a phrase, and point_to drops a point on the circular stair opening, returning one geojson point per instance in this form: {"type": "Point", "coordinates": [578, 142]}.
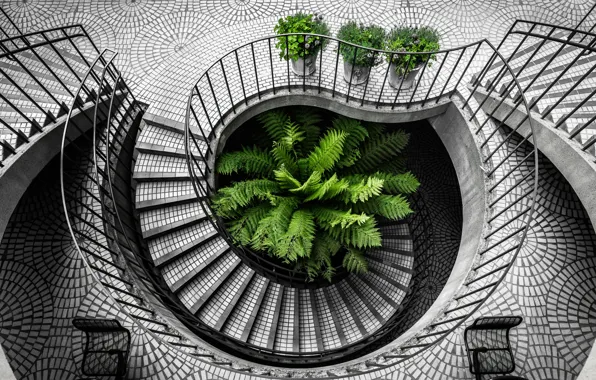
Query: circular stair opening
{"type": "Point", "coordinates": [264, 317]}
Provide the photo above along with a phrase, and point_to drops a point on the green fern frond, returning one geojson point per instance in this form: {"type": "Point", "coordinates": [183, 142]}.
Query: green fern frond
{"type": "Point", "coordinates": [272, 227]}
{"type": "Point", "coordinates": [321, 190]}
{"type": "Point", "coordinates": [380, 150]}
{"type": "Point", "coordinates": [284, 156]}
{"type": "Point", "coordinates": [297, 241]}
{"type": "Point", "coordinates": [274, 123]}
{"type": "Point", "coordinates": [397, 165]}
{"type": "Point", "coordinates": [394, 207]}
{"type": "Point", "coordinates": [285, 179]}
{"type": "Point", "coordinates": [362, 190]}
{"type": "Point", "coordinates": [252, 161]}
{"type": "Point", "coordinates": [355, 135]}
{"type": "Point", "coordinates": [326, 155]}
{"type": "Point", "coordinates": [374, 130]}
{"type": "Point", "coordinates": [312, 134]}
{"type": "Point", "coordinates": [330, 217]}
{"type": "Point", "coordinates": [243, 229]}
{"type": "Point", "coordinates": [405, 183]}
{"type": "Point", "coordinates": [355, 262]}
{"type": "Point", "coordinates": [363, 235]}
{"type": "Point", "coordinates": [310, 185]}
{"type": "Point", "coordinates": [306, 116]}
{"type": "Point", "coordinates": [292, 135]}
{"type": "Point", "coordinates": [240, 194]}
{"type": "Point", "coordinates": [329, 273]}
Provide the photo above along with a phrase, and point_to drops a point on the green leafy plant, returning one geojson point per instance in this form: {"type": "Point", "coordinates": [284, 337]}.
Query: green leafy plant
{"type": "Point", "coordinates": [368, 36]}
{"type": "Point", "coordinates": [316, 191]}
{"type": "Point", "coordinates": [298, 46]}
{"type": "Point", "coordinates": [411, 39]}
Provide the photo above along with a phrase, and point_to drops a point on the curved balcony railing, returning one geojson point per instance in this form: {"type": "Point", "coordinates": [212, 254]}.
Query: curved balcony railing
{"type": "Point", "coordinates": [252, 73]}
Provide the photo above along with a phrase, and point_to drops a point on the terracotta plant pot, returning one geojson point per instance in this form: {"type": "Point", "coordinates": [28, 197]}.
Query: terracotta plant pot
{"type": "Point", "coordinates": [395, 80]}
{"type": "Point", "coordinates": [359, 76]}
{"type": "Point", "coordinates": [305, 65]}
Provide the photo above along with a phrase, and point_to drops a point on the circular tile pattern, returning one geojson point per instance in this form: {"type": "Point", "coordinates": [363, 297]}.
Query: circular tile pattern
{"type": "Point", "coordinates": [358, 10]}
{"type": "Point", "coordinates": [235, 11]}
{"type": "Point", "coordinates": [168, 37]}
{"type": "Point", "coordinates": [25, 314]}
{"type": "Point", "coordinates": [571, 307]}
{"type": "Point", "coordinates": [25, 13]}
{"type": "Point", "coordinates": [101, 33]}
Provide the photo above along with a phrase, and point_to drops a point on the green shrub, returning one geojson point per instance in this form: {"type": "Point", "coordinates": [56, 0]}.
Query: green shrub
{"type": "Point", "coordinates": [368, 36]}
{"type": "Point", "coordinates": [316, 191]}
{"type": "Point", "coordinates": [300, 45]}
{"type": "Point", "coordinates": [412, 39]}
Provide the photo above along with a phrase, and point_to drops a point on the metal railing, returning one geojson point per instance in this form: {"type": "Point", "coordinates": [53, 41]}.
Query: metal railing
{"type": "Point", "coordinates": [39, 72]}
{"type": "Point", "coordinates": [556, 68]}
{"type": "Point", "coordinates": [252, 73]}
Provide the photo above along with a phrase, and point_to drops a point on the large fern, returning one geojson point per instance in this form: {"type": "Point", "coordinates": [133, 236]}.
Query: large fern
{"type": "Point", "coordinates": [317, 191]}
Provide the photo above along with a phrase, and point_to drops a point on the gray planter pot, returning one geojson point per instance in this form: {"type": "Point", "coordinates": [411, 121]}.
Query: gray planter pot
{"type": "Point", "coordinates": [395, 80]}
{"type": "Point", "coordinates": [359, 76]}
{"type": "Point", "coordinates": [305, 65]}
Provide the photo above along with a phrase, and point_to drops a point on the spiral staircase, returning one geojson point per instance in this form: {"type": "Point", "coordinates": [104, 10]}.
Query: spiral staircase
{"type": "Point", "coordinates": [135, 191]}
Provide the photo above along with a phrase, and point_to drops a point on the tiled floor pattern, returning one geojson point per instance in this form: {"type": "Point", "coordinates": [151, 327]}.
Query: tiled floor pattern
{"type": "Point", "coordinates": [548, 352]}
{"type": "Point", "coordinates": [166, 45]}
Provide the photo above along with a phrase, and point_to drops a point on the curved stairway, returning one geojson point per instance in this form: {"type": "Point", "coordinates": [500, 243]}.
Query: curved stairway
{"type": "Point", "coordinates": [227, 295]}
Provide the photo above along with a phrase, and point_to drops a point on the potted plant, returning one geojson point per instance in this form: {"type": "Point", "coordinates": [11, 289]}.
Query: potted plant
{"type": "Point", "coordinates": [301, 49]}
{"type": "Point", "coordinates": [311, 190]}
{"type": "Point", "coordinates": [357, 60]}
{"type": "Point", "coordinates": [406, 39]}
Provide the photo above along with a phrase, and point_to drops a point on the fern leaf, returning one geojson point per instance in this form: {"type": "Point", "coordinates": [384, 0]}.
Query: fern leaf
{"type": "Point", "coordinates": [405, 183]}
{"type": "Point", "coordinates": [329, 217]}
{"type": "Point", "coordinates": [311, 137]}
{"type": "Point", "coordinates": [292, 135]}
{"type": "Point", "coordinates": [285, 179]}
{"type": "Point", "coordinates": [298, 240]}
{"type": "Point", "coordinates": [397, 165]}
{"type": "Point", "coordinates": [322, 189]}
{"type": "Point", "coordinates": [240, 194]}
{"type": "Point", "coordinates": [355, 135]}
{"type": "Point", "coordinates": [284, 156]}
{"type": "Point", "coordinates": [306, 116]}
{"type": "Point", "coordinates": [310, 185]}
{"type": "Point", "coordinates": [274, 123]}
{"type": "Point", "coordinates": [362, 190]}
{"type": "Point", "coordinates": [252, 161]}
{"type": "Point", "coordinates": [326, 155]}
{"type": "Point", "coordinates": [243, 229]}
{"type": "Point", "coordinates": [374, 130]}
{"type": "Point", "coordinates": [363, 235]}
{"type": "Point", "coordinates": [272, 227]}
{"type": "Point", "coordinates": [380, 150]}
{"type": "Point", "coordinates": [355, 262]}
{"type": "Point", "coordinates": [394, 207]}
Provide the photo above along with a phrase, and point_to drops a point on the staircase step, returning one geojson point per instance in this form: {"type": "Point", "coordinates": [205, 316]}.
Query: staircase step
{"type": "Point", "coordinates": [160, 259]}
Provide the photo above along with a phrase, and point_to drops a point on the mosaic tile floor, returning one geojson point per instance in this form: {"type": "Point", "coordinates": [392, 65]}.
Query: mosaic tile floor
{"type": "Point", "coordinates": [164, 46]}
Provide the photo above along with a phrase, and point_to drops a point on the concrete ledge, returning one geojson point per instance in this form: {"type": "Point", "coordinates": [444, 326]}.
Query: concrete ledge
{"type": "Point", "coordinates": [313, 99]}
{"type": "Point", "coordinates": [576, 166]}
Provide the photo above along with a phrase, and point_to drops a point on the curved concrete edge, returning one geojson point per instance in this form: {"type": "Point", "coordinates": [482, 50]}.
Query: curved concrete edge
{"type": "Point", "coordinates": [577, 166]}
{"type": "Point", "coordinates": [5, 370]}
{"type": "Point", "coordinates": [367, 113]}
{"type": "Point", "coordinates": [30, 159]}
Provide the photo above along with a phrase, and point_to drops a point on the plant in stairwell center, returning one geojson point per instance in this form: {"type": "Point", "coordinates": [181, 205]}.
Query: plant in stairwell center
{"type": "Point", "coordinates": [359, 60]}
{"type": "Point", "coordinates": [301, 49]}
{"type": "Point", "coordinates": [406, 39]}
{"type": "Point", "coordinates": [312, 192]}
